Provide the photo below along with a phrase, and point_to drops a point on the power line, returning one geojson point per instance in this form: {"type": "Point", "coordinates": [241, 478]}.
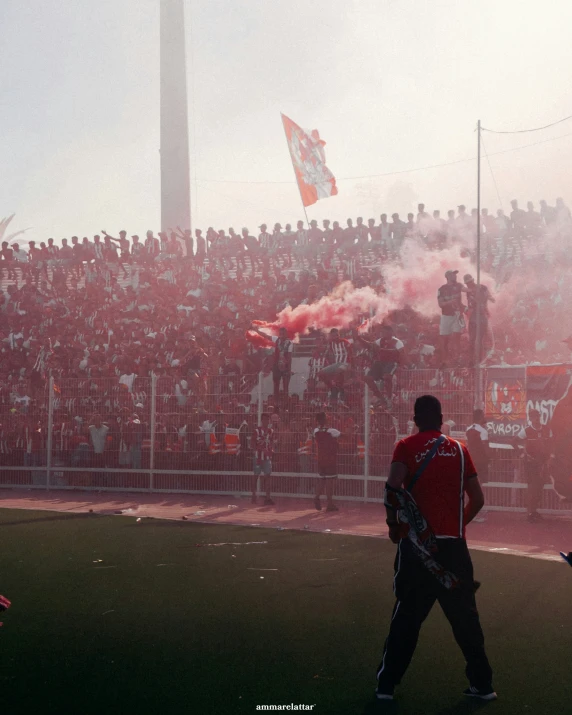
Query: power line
{"type": "Point", "coordinates": [524, 131]}
{"type": "Point", "coordinates": [394, 173]}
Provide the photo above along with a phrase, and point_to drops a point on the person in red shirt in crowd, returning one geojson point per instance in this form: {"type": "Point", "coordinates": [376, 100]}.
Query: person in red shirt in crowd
{"type": "Point", "coordinates": [429, 477]}
{"type": "Point", "coordinates": [326, 440]}
{"type": "Point", "coordinates": [338, 355]}
{"type": "Point", "coordinates": [263, 444]}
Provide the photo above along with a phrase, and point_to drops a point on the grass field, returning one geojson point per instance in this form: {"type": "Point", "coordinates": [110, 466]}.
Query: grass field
{"type": "Point", "coordinates": [114, 616]}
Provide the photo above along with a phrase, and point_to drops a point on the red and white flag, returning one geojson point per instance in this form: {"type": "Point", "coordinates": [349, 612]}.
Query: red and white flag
{"type": "Point", "coordinates": [315, 180]}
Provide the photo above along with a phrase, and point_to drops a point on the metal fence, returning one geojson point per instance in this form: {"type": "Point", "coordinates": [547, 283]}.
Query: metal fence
{"type": "Point", "coordinates": [166, 434]}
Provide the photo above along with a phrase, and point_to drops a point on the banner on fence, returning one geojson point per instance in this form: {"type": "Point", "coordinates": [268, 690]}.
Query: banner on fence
{"type": "Point", "coordinates": [505, 400]}
{"type": "Point", "coordinates": [546, 385]}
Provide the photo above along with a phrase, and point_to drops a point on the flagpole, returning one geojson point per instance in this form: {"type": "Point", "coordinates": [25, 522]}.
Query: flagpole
{"type": "Point", "coordinates": [294, 170]}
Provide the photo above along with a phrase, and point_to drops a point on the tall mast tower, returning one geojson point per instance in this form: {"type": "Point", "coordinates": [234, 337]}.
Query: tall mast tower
{"type": "Point", "coordinates": [175, 174]}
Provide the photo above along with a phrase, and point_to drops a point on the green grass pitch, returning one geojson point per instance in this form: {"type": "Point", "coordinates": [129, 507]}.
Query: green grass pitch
{"type": "Point", "coordinates": [111, 615]}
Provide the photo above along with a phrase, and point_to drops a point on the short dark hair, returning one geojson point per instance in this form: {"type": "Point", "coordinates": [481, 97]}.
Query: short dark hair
{"type": "Point", "coordinates": [427, 411]}
{"type": "Point", "coordinates": [478, 415]}
{"type": "Point", "coordinates": [263, 415]}
{"type": "Point", "coordinates": [321, 417]}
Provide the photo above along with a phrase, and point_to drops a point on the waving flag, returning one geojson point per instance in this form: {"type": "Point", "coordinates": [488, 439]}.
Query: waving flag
{"type": "Point", "coordinates": [315, 180]}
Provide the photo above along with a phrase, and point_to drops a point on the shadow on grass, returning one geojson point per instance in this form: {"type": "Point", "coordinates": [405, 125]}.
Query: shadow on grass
{"type": "Point", "coordinates": [41, 519]}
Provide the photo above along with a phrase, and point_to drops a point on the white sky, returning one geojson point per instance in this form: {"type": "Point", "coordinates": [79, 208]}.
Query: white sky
{"type": "Point", "coordinates": [390, 84]}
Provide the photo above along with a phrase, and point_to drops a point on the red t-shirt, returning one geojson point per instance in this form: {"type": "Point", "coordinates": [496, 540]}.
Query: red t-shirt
{"type": "Point", "coordinates": [439, 491]}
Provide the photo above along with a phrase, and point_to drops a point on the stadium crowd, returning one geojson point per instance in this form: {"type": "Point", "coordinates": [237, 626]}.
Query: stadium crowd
{"type": "Point", "coordinates": [101, 317]}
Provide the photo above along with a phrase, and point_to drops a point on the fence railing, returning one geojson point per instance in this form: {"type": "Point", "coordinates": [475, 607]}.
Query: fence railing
{"type": "Point", "coordinates": [164, 434]}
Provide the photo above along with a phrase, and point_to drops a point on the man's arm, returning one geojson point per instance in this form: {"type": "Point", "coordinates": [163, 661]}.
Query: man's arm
{"type": "Point", "coordinates": [476, 499]}
{"type": "Point", "coordinates": [397, 474]}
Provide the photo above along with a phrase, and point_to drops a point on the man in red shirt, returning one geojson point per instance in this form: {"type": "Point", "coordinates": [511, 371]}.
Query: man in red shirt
{"type": "Point", "coordinates": [326, 441]}
{"type": "Point", "coordinates": [429, 476]}
{"type": "Point", "coordinates": [263, 444]}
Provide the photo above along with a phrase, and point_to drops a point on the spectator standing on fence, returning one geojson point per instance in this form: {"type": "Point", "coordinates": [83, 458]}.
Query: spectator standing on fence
{"type": "Point", "coordinates": [436, 472]}
{"type": "Point", "coordinates": [537, 443]}
{"type": "Point", "coordinates": [263, 444]}
{"type": "Point", "coordinates": [326, 442]}
{"type": "Point", "coordinates": [387, 354]}
{"type": "Point", "coordinates": [338, 356]}
{"type": "Point", "coordinates": [452, 324]}
{"type": "Point", "coordinates": [282, 360]}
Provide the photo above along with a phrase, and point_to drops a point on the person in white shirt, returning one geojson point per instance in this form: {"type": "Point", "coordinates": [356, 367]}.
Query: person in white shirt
{"type": "Point", "coordinates": [98, 439]}
{"type": "Point", "coordinates": [20, 258]}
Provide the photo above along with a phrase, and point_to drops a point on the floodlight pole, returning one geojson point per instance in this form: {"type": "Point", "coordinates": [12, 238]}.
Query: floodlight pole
{"type": "Point", "coordinates": [478, 297]}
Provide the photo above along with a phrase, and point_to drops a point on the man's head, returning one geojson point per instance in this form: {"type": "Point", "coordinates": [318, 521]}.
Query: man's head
{"type": "Point", "coordinates": [334, 334]}
{"type": "Point", "coordinates": [300, 225]}
{"type": "Point", "coordinates": [321, 419]}
{"type": "Point", "coordinates": [451, 276]}
{"type": "Point", "coordinates": [313, 223]}
{"type": "Point", "coordinates": [468, 280]}
{"type": "Point", "coordinates": [359, 221]}
{"type": "Point", "coordinates": [530, 206]}
{"type": "Point", "coordinates": [264, 419]}
{"type": "Point", "coordinates": [436, 213]}
{"type": "Point", "coordinates": [514, 204]}
{"type": "Point", "coordinates": [410, 217]}
{"type": "Point", "coordinates": [451, 214]}
{"type": "Point", "coordinates": [462, 208]}
{"type": "Point", "coordinates": [395, 217]}
{"type": "Point", "coordinates": [283, 333]}
{"type": "Point", "coordinates": [349, 223]}
{"type": "Point", "coordinates": [263, 228]}
{"type": "Point", "coordinates": [427, 413]}
{"type": "Point", "coordinates": [371, 222]}
{"type": "Point", "coordinates": [387, 331]}
{"type": "Point", "coordinates": [96, 420]}
{"type": "Point", "coordinates": [478, 417]}
{"type": "Point", "coordinates": [420, 208]}
{"type": "Point", "coordinates": [326, 223]}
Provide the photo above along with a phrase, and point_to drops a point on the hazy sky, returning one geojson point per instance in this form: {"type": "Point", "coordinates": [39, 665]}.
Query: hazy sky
{"type": "Point", "coordinates": [390, 84]}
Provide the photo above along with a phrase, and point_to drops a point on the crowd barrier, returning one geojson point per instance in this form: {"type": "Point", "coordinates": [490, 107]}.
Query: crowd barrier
{"type": "Point", "coordinates": [160, 434]}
